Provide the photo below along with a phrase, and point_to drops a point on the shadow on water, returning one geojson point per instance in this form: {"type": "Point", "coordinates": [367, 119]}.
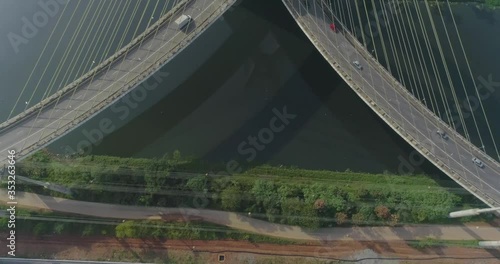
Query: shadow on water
{"type": "Point", "coordinates": [171, 110]}
{"type": "Point", "coordinates": [313, 90]}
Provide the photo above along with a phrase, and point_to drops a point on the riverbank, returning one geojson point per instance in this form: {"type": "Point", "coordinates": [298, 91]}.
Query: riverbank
{"type": "Point", "coordinates": [285, 195]}
{"type": "Point", "coordinates": [165, 222]}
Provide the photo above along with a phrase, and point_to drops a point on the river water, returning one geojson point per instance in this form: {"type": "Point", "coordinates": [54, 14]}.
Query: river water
{"type": "Point", "coordinates": [265, 67]}
{"type": "Point", "coordinates": [448, 61]}
{"type": "Point", "coordinates": [46, 45]}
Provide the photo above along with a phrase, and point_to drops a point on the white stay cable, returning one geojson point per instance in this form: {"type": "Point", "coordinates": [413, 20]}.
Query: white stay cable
{"type": "Point", "coordinates": [474, 81]}
{"type": "Point", "coordinates": [435, 70]}
{"type": "Point", "coordinates": [445, 65]}
{"type": "Point", "coordinates": [460, 75]}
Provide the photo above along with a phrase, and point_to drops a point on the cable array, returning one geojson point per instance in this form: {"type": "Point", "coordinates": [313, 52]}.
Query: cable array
{"type": "Point", "coordinates": [396, 55]}
{"type": "Point", "coordinates": [101, 26]}
{"type": "Point", "coordinates": [85, 42]}
{"type": "Point", "coordinates": [415, 44]}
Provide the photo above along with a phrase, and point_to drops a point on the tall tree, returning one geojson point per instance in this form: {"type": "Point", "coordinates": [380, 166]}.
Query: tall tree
{"type": "Point", "coordinates": [231, 198]}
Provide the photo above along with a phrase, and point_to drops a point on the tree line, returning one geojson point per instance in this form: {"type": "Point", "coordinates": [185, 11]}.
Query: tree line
{"type": "Point", "coordinates": [286, 195]}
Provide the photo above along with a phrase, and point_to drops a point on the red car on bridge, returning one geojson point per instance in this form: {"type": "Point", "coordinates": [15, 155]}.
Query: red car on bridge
{"type": "Point", "coordinates": [333, 27]}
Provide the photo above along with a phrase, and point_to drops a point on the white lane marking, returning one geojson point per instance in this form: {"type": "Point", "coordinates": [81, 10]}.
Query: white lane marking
{"type": "Point", "coordinates": [478, 172]}
{"type": "Point", "coordinates": [171, 40]}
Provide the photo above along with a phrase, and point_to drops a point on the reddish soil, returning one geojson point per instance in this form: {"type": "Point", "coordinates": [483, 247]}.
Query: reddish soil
{"type": "Point", "coordinates": [103, 248]}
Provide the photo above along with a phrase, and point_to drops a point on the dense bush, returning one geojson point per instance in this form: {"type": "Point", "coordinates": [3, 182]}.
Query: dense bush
{"type": "Point", "coordinates": [493, 2]}
{"type": "Point", "coordinates": [193, 231]}
{"type": "Point", "coordinates": [283, 195]}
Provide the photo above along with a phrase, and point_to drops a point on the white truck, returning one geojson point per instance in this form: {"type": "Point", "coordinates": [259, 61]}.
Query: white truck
{"type": "Point", "coordinates": [183, 21]}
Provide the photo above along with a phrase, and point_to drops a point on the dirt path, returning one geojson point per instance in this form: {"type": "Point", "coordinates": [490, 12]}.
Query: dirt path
{"type": "Point", "coordinates": [241, 222]}
{"type": "Point", "coordinates": [104, 248]}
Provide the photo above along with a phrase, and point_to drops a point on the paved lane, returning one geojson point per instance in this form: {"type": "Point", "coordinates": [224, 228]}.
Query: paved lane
{"type": "Point", "coordinates": [397, 107]}
{"type": "Point", "coordinates": [121, 74]}
{"type": "Point", "coordinates": [241, 222]}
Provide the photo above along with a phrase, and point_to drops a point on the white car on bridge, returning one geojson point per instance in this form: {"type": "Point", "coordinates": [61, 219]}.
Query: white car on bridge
{"type": "Point", "coordinates": [442, 134]}
{"type": "Point", "coordinates": [357, 65]}
{"type": "Point", "coordinates": [478, 162]}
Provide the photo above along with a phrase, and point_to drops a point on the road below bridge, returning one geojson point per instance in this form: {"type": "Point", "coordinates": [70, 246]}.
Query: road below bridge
{"type": "Point", "coordinates": [249, 224]}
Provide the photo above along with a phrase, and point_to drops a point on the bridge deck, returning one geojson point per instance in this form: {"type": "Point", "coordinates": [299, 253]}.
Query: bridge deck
{"type": "Point", "coordinates": [51, 119]}
{"type": "Point", "coordinates": [397, 107]}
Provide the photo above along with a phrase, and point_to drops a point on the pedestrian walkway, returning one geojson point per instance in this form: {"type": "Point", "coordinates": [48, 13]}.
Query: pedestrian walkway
{"type": "Point", "coordinates": [244, 223]}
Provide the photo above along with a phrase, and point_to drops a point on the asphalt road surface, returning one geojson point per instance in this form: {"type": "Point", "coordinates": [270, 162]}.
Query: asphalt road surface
{"type": "Point", "coordinates": [408, 117]}
{"type": "Point", "coordinates": [52, 120]}
{"type": "Point", "coordinates": [249, 224]}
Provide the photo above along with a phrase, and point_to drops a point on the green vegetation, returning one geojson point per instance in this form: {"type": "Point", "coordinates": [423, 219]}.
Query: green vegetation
{"type": "Point", "coordinates": [493, 3]}
{"type": "Point", "coordinates": [42, 224]}
{"type": "Point", "coordinates": [432, 242]}
{"type": "Point", "coordinates": [192, 231]}
{"type": "Point", "coordinates": [285, 195]}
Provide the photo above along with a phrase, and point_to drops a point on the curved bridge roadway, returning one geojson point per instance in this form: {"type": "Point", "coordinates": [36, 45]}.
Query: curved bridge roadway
{"type": "Point", "coordinates": [108, 82]}
{"type": "Point", "coordinates": [396, 106]}
{"type": "Point", "coordinates": [240, 222]}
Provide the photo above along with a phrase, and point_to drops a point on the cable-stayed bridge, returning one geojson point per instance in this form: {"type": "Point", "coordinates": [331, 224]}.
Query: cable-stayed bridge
{"type": "Point", "coordinates": [104, 84]}
{"type": "Point", "coordinates": [399, 75]}
{"type": "Point", "coordinates": [416, 107]}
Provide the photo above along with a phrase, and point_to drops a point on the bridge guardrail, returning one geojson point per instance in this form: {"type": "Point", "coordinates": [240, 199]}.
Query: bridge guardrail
{"type": "Point", "coordinates": [390, 121]}
{"type": "Point", "coordinates": [359, 47]}
{"type": "Point", "coordinates": [357, 44]}
{"type": "Point", "coordinates": [417, 103]}
{"type": "Point", "coordinates": [94, 72]}
{"type": "Point", "coordinates": [132, 83]}
{"type": "Point", "coordinates": [422, 106]}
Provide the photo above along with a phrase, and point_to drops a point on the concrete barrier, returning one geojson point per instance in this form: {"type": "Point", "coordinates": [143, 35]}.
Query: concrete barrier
{"type": "Point", "coordinates": [154, 66]}
{"type": "Point", "coordinates": [95, 71]}
{"type": "Point", "coordinates": [389, 120]}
